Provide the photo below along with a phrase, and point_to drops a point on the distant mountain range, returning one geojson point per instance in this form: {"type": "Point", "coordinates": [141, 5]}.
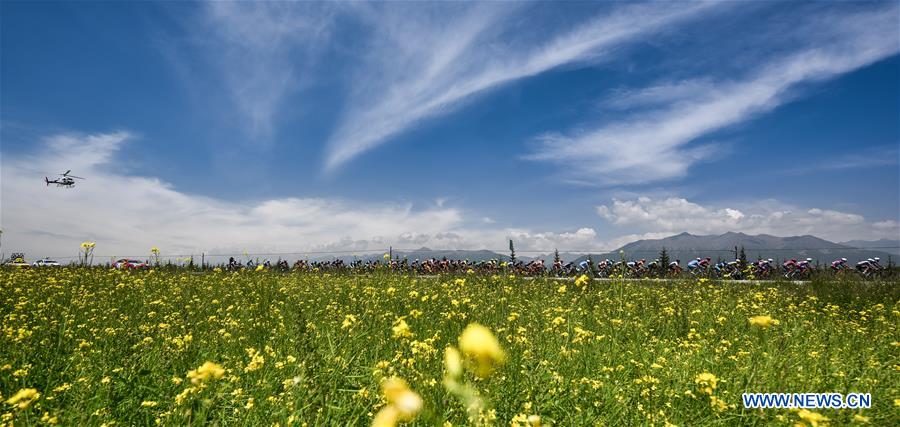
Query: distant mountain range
{"type": "Point", "coordinates": [685, 246]}
{"type": "Point", "coordinates": [884, 245]}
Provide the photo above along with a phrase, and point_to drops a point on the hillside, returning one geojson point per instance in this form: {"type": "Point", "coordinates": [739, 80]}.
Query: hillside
{"type": "Point", "coordinates": [686, 246]}
{"type": "Point", "coordinates": [884, 245]}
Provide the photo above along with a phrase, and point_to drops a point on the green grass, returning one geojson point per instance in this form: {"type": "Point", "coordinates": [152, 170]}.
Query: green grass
{"type": "Point", "coordinates": [608, 354]}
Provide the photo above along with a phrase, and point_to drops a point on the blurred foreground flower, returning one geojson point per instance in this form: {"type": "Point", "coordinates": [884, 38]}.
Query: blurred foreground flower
{"type": "Point", "coordinates": [453, 362]}
{"type": "Point", "coordinates": [763, 321]}
{"type": "Point", "coordinates": [403, 404]}
{"type": "Point", "coordinates": [482, 354]}
{"type": "Point", "coordinates": [480, 345]}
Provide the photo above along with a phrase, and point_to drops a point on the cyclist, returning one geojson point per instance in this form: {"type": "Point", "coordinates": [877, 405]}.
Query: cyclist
{"type": "Point", "coordinates": [805, 267]}
{"type": "Point", "coordinates": [675, 267]}
{"type": "Point", "coordinates": [764, 267]}
{"type": "Point", "coordinates": [839, 264]}
{"type": "Point", "coordinates": [863, 266]}
{"type": "Point", "coordinates": [871, 266]}
{"type": "Point", "coordinates": [698, 265]}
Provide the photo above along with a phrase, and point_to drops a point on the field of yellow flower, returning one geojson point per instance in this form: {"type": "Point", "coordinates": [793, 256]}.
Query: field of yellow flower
{"type": "Point", "coordinates": [84, 346]}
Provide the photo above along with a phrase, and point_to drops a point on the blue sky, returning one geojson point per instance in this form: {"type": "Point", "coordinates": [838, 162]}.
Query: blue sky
{"type": "Point", "coordinates": [318, 126]}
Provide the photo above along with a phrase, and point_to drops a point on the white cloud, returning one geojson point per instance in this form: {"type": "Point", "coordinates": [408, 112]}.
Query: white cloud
{"type": "Point", "coordinates": [675, 215]}
{"type": "Point", "coordinates": [426, 65]}
{"type": "Point", "coordinates": [126, 215]}
{"type": "Point", "coordinates": [650, 145]}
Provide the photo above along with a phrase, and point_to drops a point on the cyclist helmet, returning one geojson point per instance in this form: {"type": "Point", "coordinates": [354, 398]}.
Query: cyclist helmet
{"type": "Point", "coordinates": [870, 260]}
{"type": "Point", "coordinates": [809, 260]}
{"type": "Point", "coordinates": [877, 259]}
{"type": "Point", "coordinates": [843, 259]}
{"type": "Point", "coordinates": [770, 260]}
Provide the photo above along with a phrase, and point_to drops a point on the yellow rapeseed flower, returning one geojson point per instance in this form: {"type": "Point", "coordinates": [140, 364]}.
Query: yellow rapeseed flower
{"type": "Point", "coordinates": [401, 329]}
{"type": "Point", "coordinates": [349, 321]}
{"type": "Point", "coordinates": [207, 371]}
{"type": "Point", "coordinates": [582, 280]}
{"type": "Point", "coordinates": [813, 418]}
{"type": "Point", "coordinates": [707, 382]}
{"type": "Point", "coordinates": [23, 398]}
{"type": "Point", "coordinates": [479, 343]}
{"type": "Point", "coordinates": [256, 360]}
{"type": "Point", "coordinates": [763, 321]}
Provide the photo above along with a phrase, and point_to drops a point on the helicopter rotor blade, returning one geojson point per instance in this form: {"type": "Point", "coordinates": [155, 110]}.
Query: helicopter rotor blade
{"type": "Point", "coordinates": [66, 172]}
{"type": "Point", "coordinates": [73, 176]}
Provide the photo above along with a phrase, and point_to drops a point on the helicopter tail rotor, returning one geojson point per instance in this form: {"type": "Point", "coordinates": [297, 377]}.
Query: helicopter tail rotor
{"type": "Point", "coordinates": [47, 180]}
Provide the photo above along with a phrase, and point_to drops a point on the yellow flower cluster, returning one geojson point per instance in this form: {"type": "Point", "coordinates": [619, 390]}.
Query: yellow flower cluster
{"type": "Point", "coordinates": [206, 372]}
{"type": "Point", "coordinates": [582, 280]}
{"type": "Point", "coordinates": [707, 382]}
{"type": "Point", "coordinates": [23, 398]}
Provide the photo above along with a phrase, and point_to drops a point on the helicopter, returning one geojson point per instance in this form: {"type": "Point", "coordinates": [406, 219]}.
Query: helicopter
{"type": "Point", "coordinates": [66, 180]}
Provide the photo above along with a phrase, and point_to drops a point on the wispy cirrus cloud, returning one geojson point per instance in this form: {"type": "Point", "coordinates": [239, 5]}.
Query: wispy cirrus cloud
{"type": "Point", "coordinates": [427, 66]}
{"type": "Point", "coordinates": [263, 52]}
{"type": "Point", "coordinates": [651, 143]}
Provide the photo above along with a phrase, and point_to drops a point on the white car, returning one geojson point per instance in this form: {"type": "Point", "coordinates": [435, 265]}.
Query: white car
{"type": "Point", "coordinates": [46, 262]}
